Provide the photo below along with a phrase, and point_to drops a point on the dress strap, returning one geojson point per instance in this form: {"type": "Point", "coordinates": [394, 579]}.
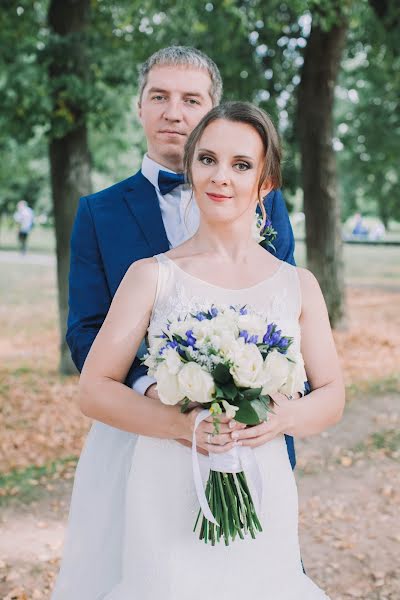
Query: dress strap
{"type": "Point", "coordinates": [164, 277]}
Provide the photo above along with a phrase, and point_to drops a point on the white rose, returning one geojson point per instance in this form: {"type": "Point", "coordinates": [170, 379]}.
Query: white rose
{"type": "Point", "coordinates": [202, 330]}
{"type": "Point", "coordinates": [297, 376]}
{"type": "Point", "coordinates": [247, 370]}
{"type": "Point", "coordinates": [156, 343]}
{"type": "Point", "coordinates": [226, 322]}
{"type": "Point", "coordinates": [195, 383]}
{"type": "Point", "coordinates": [172, 360]}
{"type": "Point", "coordinates": [276, 371]}
{"type": "Point", "coordinates": [254, 324]}
{"type": "Point", "coordinates": [167, 385]}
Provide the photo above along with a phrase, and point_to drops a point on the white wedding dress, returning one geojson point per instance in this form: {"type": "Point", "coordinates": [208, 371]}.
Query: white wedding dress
{"type": "Point", "coordinates": [161, 558]}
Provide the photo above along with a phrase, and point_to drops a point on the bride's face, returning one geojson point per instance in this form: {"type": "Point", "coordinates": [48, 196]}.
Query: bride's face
{"type": "Point", "coordinates": [226, 169]}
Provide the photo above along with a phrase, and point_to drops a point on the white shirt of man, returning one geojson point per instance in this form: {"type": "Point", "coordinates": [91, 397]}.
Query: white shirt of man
{"type": "Point", "coordinates": [180, 215]}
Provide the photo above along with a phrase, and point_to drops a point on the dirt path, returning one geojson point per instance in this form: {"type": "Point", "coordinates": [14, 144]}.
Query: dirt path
{"type": "Point", "coordinates": [348, 482]}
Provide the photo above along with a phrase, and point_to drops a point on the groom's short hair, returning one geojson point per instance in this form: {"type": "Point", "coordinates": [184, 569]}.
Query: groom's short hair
{"type": "Point", "coordinates": [183, 56]}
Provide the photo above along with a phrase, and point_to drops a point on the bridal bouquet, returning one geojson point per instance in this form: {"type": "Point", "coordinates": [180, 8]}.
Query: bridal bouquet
{"type": "Point", "coordinates": [227, 359]}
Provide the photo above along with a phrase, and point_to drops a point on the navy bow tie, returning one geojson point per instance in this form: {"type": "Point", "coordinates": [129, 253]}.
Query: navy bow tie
{"type": "Point", "coordinates": [168, 181]}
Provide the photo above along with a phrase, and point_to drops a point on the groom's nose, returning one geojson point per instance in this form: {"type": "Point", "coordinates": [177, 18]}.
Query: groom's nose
{"type": "Point", "coordinates": [172, 111]}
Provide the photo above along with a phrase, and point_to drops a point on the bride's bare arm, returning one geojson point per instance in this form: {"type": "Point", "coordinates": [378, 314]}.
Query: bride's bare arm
{"type": "Point", "coordinates": [102, 393]}
{"type": "Point", "coordinates": [324, 406]}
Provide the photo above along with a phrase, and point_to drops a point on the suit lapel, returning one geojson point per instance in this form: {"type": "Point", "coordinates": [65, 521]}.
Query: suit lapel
{"type": "Point", "coordinates": [143, 203]}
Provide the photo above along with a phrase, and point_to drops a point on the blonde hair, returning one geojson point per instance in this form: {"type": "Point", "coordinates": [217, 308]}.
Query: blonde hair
{"type": "Point", "coordinates": [183, 56]}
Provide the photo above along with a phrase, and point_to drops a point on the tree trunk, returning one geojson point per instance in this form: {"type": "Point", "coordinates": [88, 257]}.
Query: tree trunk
{"type": "Point", "coordinates": [68, 152]}
{"type": "Point", "coordinates": [321, 200]}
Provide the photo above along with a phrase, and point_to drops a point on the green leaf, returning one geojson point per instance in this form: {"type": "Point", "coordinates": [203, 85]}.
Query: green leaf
{"type": "Point", "coordinates": [221, 374]}
{"type": "Point", "coordinates": [260, 408]}
{"type": "Point", "coordinates": [227, 391]}
{"type": "Point", "coordinates": [251, 393]}
{"type": "Point", "coordinates": [265, 399]}
{"type": "Point", "coordinates": [185, 404]}
{"type": "Point", "coordinates": [246, 414]}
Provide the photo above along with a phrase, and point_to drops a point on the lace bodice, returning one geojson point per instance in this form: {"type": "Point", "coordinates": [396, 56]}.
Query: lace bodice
{"type": "Point", "coordinates": [278, 297]}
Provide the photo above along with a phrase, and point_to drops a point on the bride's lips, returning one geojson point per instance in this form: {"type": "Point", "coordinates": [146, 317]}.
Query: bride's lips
{"type": "Point", "coordinates": [218, 197]}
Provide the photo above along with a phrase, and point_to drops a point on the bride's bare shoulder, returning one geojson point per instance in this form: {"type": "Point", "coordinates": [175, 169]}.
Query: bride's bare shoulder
{"type": "Point", "coordinates": [310, 288]}
{"type": "Point", "coordinates": [142, 274]}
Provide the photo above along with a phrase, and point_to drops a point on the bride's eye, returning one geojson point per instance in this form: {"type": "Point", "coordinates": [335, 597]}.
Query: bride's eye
{"type": "Point", "coordinates": [242, 166]}
{"type": "Point", "coordinates": [206, 160]}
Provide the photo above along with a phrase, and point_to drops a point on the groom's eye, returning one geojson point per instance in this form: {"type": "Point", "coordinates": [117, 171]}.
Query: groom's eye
{"type": "Point", "coordinates": [158, 97]}
{"type": "Point", "coordinates": [192, 101]}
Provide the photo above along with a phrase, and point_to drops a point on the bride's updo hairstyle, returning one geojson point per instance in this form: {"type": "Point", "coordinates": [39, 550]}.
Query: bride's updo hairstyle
{"type": "Point", "coordinates": [242, 112]}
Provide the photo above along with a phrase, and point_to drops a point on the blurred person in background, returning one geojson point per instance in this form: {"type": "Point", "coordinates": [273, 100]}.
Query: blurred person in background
{"type": "Point", "coordinates": [25, 217]}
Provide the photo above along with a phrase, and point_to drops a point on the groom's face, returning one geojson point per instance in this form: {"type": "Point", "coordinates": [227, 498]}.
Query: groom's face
{"type": "Point", "coordinates": [174, 100]}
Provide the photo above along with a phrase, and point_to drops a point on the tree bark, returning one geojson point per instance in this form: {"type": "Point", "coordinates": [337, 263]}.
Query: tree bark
{"type": "Point", "coordinates": [69, 152]}
{"type": "Point", "coordinates": [315, 128]}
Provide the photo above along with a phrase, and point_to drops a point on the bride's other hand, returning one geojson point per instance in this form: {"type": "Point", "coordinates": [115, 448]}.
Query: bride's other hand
{"type": "Point", "coordinates": [279, 422]}
{"type": "Point", "coordinates": [207, 440]}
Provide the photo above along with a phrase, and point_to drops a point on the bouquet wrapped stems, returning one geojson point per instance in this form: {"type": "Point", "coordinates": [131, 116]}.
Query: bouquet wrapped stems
{"type": "Point", "coordinates": [226, 359]}
{"type": "Point", "coordinates": [230, 501]}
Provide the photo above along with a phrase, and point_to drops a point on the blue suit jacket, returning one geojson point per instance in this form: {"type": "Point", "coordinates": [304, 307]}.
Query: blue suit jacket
{"type": "Point", "coordinates": [114, 228]}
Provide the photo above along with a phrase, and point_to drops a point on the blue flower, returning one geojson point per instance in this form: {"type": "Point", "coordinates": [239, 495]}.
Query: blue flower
{"type": "Point", "coordinates": [266, 338]}
{"type": "Point", "coordinates": [172, 344]}
{"type": "Point", "coordinates": [191, 340]}
{"type": "Point", "coordinates": [243, 310]}
{"type": "Point", "coordinates": [213, 311]}
{"type": "Point", "coordinates": [253, 339]}
{"type": "Point", "coordinates": [244, 334]}
{"type": "Point", "coordinates": [275, 338]}
{"type": "Point", "coordinates": [200, 316]}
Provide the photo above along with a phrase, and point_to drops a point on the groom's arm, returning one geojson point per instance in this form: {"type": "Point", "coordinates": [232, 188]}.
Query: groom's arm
{"type": "Point", "coordinates": [89, 294]}
{"type": "Point", "coordinates": [278, 214]}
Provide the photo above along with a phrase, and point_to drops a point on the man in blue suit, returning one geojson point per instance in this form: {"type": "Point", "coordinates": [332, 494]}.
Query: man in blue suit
{"type": "Point", "coordinates": [151, 211]}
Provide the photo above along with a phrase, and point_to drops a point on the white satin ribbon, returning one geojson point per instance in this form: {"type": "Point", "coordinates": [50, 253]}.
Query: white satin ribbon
{"type": "Point", "coordinates": [240, 458]}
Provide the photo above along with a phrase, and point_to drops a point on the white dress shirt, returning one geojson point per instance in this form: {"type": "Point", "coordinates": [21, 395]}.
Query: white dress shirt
{"type": "Point", "coordinates": [180, 216]}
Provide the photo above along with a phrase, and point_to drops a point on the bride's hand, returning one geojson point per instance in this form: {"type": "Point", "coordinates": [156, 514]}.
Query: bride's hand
{"type": "Point", "coordinates": [278, 422]}
{"type": "Point", "coordinates": [207, 441]}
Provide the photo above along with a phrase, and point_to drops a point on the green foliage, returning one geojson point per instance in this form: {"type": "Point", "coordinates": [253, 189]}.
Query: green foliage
{"type": "Point", "coordinates": [259, 48]}
{"type": "Point", "coordinates": [368, 118]}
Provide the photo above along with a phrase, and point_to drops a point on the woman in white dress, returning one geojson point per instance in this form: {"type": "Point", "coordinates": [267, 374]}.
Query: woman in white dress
{"type": "Point", "coordinates": [232, 161]}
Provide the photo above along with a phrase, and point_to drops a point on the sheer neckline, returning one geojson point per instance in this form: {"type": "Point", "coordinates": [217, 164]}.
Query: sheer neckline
{"type": "Point", "coordinates": [252, 287]}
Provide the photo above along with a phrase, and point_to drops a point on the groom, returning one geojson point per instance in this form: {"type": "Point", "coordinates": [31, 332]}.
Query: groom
{"type": "Point", "coordinates": [149, 212]}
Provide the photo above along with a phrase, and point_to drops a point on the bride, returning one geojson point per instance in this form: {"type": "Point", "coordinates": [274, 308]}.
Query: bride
{"type": "Point", "coordinates": [232, 161]}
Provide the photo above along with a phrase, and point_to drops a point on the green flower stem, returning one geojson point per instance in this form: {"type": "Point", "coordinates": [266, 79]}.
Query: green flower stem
{"type": "Point", "coordinates": [197, 520]}
{"type": "Point", "coordinates": [240, 521]}
{"type": "Point", "coordinates": [224, 509]}
{"type": "Point", "coordinates": [230, 502]}
{"type": "Point", "coordinates": [242, 502]}
{"type": "Point", "coordinates": [212, 526]}
{"type": "Point", "coordinates": [233, 499]}
{"type": "Point", "coordinates": [217, 512]}
{"type": "Point", "coordinates": [253, 511]}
